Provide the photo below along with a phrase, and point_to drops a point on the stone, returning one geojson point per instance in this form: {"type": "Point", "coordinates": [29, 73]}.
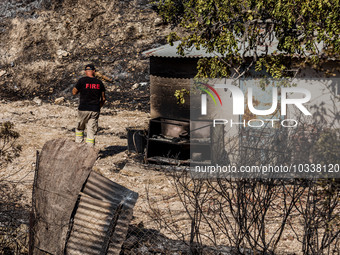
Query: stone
{"type": "Point", "coordinates": [62, 53]}
{"type": "Point", "coordinates": [135, 86]}
{"type": "Point", "coordinates": [121, 76]}
{"type": "Point", "coordinates": [158, 21]}
{"type": "Point", "coordinates": [2, 72]}
{"type": "Point", "coordinates": [37, 100]}
{"type": "Point", "coordinates": [59, 100]}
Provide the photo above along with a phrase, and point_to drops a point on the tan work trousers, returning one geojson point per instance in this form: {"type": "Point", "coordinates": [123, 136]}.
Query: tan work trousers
{"type": "Point", "coordinates": [88, 119]}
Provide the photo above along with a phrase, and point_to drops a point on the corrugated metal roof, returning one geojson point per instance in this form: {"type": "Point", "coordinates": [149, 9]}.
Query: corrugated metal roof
{"type": "Point", "coordinates": [171, 51]}
{"type": "Point", "coordinates": [102, 217]}
{"type": "Point", "coordinates": [91, 224]}
{"type": "Point", "coordinates": [100, 187]}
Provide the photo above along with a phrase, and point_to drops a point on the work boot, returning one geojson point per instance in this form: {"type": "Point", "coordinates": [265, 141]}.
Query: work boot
{"type": "Point", "coordinates": [79, 136]}
{"type": "Point", "coordinates": [90, 142]}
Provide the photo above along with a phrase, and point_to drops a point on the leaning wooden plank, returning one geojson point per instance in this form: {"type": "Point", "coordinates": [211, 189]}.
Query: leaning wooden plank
{"type": "Point", "coordinates": [63, 168]}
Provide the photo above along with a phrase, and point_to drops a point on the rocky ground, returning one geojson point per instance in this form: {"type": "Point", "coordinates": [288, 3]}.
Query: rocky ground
{"type": "Point", "coordinates": [48, 43]}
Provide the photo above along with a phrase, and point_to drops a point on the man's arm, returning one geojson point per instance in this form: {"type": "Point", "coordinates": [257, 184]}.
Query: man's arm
{"type": "Point", "coordinates": [102, 99]}
{"type": "Point", "coordinates": [75, 91]}
{"type": "Point", "coordinates": [103, 77]}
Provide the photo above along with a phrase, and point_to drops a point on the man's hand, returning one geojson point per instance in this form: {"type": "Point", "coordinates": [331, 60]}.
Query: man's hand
{"type": "Point", "coordinates": [74, 91]}
{"type": "Point", "coordinates": [102, 100]}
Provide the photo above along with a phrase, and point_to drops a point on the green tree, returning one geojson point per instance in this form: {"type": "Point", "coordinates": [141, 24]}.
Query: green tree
{"type": "Point", "coordinates": [307, 30]}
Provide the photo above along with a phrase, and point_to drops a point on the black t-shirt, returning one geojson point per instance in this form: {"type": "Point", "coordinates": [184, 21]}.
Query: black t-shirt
{"type": "Point", "coordinates": [90, 90]}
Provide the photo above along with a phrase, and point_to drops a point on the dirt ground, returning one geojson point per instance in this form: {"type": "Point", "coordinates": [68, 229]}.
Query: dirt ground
{"type": "Point", "coordinates": [38, 123]}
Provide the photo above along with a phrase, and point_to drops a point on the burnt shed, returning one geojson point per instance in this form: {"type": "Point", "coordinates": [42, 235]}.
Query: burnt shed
{"type": "Point", "coordinates": [169, 72]}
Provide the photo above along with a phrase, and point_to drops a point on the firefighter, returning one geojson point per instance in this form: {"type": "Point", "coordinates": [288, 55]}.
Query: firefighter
{"type": "Point", "coordinates": [92, 99]}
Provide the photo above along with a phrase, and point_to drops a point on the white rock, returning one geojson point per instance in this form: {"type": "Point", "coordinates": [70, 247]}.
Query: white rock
{"type": "Point", "coordinates": [59, 100]}
{"type": "Point", "coordinates": [121, 76]}
{"type": "Point", "coordinates": [135, 86]}
{"type": "Point", "coordinates": [143, 83]}
{"type": "Point", "coordinates": [2, 72]}
{"type": "Point", "coordinates": [37, 100]}
{"type": "Point", "coordinates": [62, 53]}
{"type": "Point", "coordinates": [158, 21]}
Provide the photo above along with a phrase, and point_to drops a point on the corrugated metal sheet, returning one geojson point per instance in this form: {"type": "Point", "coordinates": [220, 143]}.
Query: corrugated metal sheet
{"type": "Point", "coordinates": [102, 217]}
{"type": "Point", "coordinates": [118, 236]}
{"type": "Point", "coordinates": [91, 224]}
{"type": "Point", "coordinates": [171, 51]}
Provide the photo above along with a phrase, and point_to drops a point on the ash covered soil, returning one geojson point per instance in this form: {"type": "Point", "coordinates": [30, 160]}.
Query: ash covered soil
{"type": "Point", "coordinates": [39, 123]}
{"type": "Point", "coordinates": [46, 46]}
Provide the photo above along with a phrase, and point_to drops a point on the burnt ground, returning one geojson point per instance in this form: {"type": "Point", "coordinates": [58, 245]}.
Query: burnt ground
{"type": "Point", "coordinates": [47, 44]}
{"type": "Point", "coordinates": [40, 123]}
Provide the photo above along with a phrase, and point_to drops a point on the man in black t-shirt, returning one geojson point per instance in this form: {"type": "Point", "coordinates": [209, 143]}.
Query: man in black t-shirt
{"type": "Point", "coordinates": [92, 98]}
